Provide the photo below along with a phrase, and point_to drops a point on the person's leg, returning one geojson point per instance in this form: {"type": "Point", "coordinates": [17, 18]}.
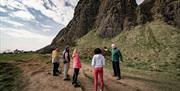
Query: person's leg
{"type": "Point", "coordinates": [57, 69]}
{"type": "Point", "coordinates": [118, 70]}
{"type": "Point", "coordinates": [101, 78]}
{"type": "Point", "coordinates": [74, 76]}
{"type": "Point", "coordinates": [114, 68]}
{"type": "Point", "coordinates": [54, 69]}
{"type": "Point", "coordinates": [95, 78]}
{"type": "Point", "coordinates": [68, 65]}
{"type": "Point", "coordinates": [65, 71]}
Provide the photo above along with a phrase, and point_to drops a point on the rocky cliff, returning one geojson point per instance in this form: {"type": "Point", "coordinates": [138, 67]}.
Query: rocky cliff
{"type": "Point", "coordinates": [166, 10]}
{"type": "Point", "coordinates": [110, 17]}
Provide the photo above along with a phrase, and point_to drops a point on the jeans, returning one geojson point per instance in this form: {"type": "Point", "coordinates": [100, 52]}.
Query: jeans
{"type": "Point", "coordinates": [75, 75]}
{"type": "Point", "coordinates": [98, 72]}
{"type": "Point", "coordinates": [116, 68]}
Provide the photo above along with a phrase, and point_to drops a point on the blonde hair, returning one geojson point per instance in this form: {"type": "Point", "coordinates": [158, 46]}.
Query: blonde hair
{"type": "Point", "coordinates": [74, 52]}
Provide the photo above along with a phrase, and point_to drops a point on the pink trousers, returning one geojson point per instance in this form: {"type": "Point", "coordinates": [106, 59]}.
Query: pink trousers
{"type": "Point", "coordinates": [98, 72]}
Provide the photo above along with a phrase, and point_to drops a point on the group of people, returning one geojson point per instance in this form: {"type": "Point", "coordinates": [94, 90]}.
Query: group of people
{"type": "Point", "coordinates": [98, 63]}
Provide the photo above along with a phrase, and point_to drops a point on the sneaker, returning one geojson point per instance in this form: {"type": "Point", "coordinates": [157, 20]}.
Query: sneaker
{"type": "Point", "coordinates": [118, 78]}
{"type": "Point", "coordinates": [73, 82]}
{"type": "Point", "coordinates": [59, 72]}
{"type": "Point", "coordinates": [76, 85]}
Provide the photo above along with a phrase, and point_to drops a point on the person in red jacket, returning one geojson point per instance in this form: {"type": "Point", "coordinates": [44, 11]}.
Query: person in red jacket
{"type": "Point", "coordinates": [76, 66]}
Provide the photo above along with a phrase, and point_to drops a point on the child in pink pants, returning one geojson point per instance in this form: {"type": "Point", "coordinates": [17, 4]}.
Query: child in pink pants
{"type": "Point", "coordinates": [76, 66]}
{"type": "Point", "coordinates": [98, 62]}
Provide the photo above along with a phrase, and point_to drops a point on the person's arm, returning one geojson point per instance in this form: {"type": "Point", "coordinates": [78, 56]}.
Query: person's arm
{"type": "Point", "coordinates": [52, 54]}
{"type": "Point", "coordinates": [103, 59]}
{"type": "Point", "coordinates": [93, 61]}
{"type": "Point", "coordinates": [73, 54]}
{"type": "Point", "coordinates": [66, 57]}
{"type": "Point", "coordinates": [120, 55]}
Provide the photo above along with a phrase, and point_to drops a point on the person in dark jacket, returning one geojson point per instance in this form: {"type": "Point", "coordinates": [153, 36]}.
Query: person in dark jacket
{"type": "Point", "coordinates": [66, 57]}
{"type": "Point", "coordinates": [116, 59]}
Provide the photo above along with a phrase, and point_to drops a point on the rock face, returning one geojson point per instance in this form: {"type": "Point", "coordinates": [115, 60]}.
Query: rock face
{"type": "Point", "coordinates": [110, 17]}
{"type": "Point", "coordinates": [166, 10]}
{"type": "Point", "coordinates": [115, 16]}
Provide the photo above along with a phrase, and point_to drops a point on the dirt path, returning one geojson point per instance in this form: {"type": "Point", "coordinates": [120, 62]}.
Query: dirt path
{"type": "Point", "coordinates": [111, 84]}
{"type": "Point", "coordinates": [40, 78]}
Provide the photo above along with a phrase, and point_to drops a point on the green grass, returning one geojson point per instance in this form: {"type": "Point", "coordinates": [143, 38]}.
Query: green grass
{"type": "Point", "coordinates": [151, 54]}
{"type": "Point", "coordinates": [24, 57]}
{"type": "Point", "coordinates": [10, 77]}
{"type": "Point", "coordinates": [152, 47]}
{"type": "Point", "coordinates": [151, 50]}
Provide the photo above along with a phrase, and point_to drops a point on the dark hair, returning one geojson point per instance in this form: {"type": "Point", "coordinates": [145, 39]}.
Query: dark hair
{"type": "Point", "coordinates": [66, 49]}
{"type": "Point", "coordinates": [97, 51]}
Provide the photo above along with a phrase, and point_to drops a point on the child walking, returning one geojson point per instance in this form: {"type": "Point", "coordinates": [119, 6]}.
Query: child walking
{"type": "Point", "coordinates": [98, 62]}
{"type": "Point", "coordinates": [76, 66]}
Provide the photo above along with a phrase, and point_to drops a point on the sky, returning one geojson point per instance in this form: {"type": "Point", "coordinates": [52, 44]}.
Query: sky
{"type": "Point", "coordinates": [32, 24]}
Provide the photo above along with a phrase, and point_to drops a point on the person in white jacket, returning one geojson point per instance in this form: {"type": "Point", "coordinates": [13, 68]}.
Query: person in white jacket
{"type": "Point", "coordinates": [98, 62]}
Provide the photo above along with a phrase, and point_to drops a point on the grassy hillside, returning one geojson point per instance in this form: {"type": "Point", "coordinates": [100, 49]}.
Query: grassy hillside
{"type": "Point", "coordinates": [11, 77]}
{"type": "Point", "coordinates": [151, 50]}
{"type": "Point", "coordinates": [154, 46]}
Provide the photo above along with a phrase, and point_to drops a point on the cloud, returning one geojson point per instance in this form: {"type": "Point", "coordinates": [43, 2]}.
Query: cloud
{"type": "Point", "coordinates": [139, 1]}
{"type": "Point", "coordinates": [59, 12]}
{"type": "Point", "coordinates": [46, 30]}
{"type": "Point", "coordinates": [22, 39]}
{"type": "Point", "coordinates": [8, 21]}
{"type": "Point", "coordinates": [32, 24]}
{"type": "Point", "coordinates": [20, 33]}
{"type": "Point", "coordinates": [16, 4]}
{"type": "Point", "coordinates": [23, 15]}
{"type": "Point", "coordinates": [12, 43]}
{"type": "Point", "coordinates": [2, 10]}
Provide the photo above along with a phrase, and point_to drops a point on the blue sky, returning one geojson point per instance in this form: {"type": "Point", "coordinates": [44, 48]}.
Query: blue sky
{"type": "Point", "coordinates": [32, 24]}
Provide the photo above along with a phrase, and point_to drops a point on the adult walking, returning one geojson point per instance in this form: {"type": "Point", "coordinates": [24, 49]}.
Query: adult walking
{"type": "Point", "coordinates": [116, 58]}
{"type": "Point", "coordinates": [66, 61]}
{"type": "Point", "coordinates": [55, 61]}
